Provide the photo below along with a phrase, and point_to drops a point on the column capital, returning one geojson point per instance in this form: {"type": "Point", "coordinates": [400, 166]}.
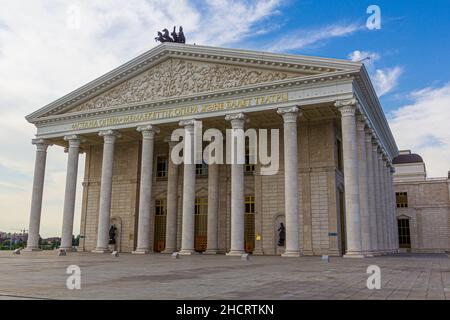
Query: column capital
{"type": "Point", "coordinates": [289, 114]}
{"type": "Point", "coordinates": [361, 124]}
{"type": "Point", "coordinates": [237, 120]}
{"type": "Point", "coordinates": [369, 133]}
{"type": "Point", "coordinates": [148, 131]}
{"type": "Point", "coordinates": [41, 144]}
{"type": "Point", "coordinates": [109, 136]}
{"type": "Point", "coordinates": [74, 140]}
{"type": "Point", "coordinates": [187, 123]}
{"type": "Point", "coordinates": [347, 107]}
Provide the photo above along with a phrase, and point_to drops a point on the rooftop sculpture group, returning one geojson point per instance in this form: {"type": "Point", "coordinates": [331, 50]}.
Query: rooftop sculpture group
{"type": "Point", "coordinates": [176, 37]}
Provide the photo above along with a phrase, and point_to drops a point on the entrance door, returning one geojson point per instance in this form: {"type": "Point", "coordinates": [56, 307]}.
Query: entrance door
{"type": "Point", "coordinates": [404, 235]}
{"type": "Point", "coordinates": [159, 242]}
{"type": "Point", "coordinates": [342, 223]}
{"type": "Point", "coordinates": [249, 224]}
{"type": "Point", "coordinates": [201, 224]}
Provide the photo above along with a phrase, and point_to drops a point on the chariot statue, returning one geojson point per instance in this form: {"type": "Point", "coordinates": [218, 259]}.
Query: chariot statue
{"type": "Point", "coordinates": [176, 37]}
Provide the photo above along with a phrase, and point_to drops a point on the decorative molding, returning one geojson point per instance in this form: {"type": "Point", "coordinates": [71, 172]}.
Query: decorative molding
{"type": "Point", "coordinates": [109, 136]}
{"type": "Point", "coordinates": [291, 84]}
{"type": "Point", "coordinates": [237, 120]}
{"type": "Point", "coordinates": [177, 78]}
{"type": "Point", "coordinates": [148, 131]}
{"type": "Point", "coordinates": [41, 144]}
{"type": "Point", "coordinates": [187, 123]}
{"type": "Point", "coordinates": [262, 60]}
{"type": "Point", "coordinates": [289, 114]}
{"type": "Point", "coordinates": [348, 107]}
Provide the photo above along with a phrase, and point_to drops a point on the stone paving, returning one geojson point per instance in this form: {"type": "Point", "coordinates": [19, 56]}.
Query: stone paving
{"type": "Point", "coordinates": [42, 275]}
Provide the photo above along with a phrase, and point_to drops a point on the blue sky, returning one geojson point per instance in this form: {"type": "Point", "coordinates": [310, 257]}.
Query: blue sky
{"type": "Point", "coordinates": [43, 57]}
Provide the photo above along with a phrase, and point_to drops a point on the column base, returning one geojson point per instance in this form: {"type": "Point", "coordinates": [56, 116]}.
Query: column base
{"type": "Point", "coordinates": [187, 252]}
{"type": "Point", "coordinates": [235, 253]}
{"type": "Point", "coordinates": [291, 254]}
{"type": "Point", "coordinates": [32, 249]}
{"type": "Point", "coordinates": [101, 250]}
{"type": "Point", "coordinates": [141, 251]}
{"type": "Point", "coordinates": [71, 249]}
{"type": "Point", "coordinates": [210, 251]}
{"type": "Point", "coordinates": [308, 253]}
{"type": "Point", "coordinates": [357, 255]}
{"type": "Point", "coordinates": [169, 251]}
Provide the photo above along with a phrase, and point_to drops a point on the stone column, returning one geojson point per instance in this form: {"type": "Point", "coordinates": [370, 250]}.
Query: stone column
{"type": "Point", "coordinates": [377, 185]}
{"type": "Point", "coordinates": [213, 209]}
{"type": "Point", "coordinates": [291, 193]}
{"type": "Point", "coordinates": [109, 137]}
{"type": "Point", "coordinates": [36, 197]}
{"type": "Point", "coordinates": [145, 189]}
{"type": "Point", "coordinates": [387, 206]}
{"type": "Point", "coordinates": [371, 191]}
{"type": "Point", "coordinates": [70, 193]}
{"type": "Point", "coordinates": [188, 223]}
{"type": "Point", "coordinates": [389, 212]}
{"type": "Point", "coordinates": [172, 202]}
{"type": "Point", "coordinates": [394, 208]}
{"type": "Point", "coordinates": [383, 202]}
{"type": "Point", "coordinates": [363, 186]}
{"type": "Point", "coordinates": [237, 192]}
{"type": "Point", "coordinates": [351, 181]}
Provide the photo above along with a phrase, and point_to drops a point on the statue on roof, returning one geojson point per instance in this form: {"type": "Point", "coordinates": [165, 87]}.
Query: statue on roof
{"type": "Point", "coordinates": [176, 37]}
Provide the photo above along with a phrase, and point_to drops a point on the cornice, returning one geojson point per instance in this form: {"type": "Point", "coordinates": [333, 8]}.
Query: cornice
{"type": "Point", "coordinates": [376, 118]}
{"type": "Point", "coordinates": [286, 84]}
{"type": "Point", "coordinates": [311, 65]}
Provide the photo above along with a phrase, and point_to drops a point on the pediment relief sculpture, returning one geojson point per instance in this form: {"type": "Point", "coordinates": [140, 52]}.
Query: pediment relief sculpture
{"type": "Point", "coordinates": [178, 77]}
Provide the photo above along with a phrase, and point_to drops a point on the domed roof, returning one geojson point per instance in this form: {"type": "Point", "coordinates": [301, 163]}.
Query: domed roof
{"type": "Point", "coordinates": [407, 158]}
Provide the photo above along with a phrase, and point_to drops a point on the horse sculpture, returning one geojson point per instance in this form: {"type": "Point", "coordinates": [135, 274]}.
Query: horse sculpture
{"type": "Point", "coordinates": [176, 37]}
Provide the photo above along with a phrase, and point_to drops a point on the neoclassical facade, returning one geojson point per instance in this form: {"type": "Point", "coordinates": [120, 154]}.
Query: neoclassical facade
{"type": "Point", "coordinates": [333, 193]}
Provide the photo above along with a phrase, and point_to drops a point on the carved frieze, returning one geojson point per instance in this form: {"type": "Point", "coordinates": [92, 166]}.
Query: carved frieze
{"type": "Point", "coordinates": [178, 77]}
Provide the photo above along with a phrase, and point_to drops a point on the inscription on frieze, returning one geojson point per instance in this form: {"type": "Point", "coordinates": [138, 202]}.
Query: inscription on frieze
{"type": "Point", "coordinates": [179, 77]}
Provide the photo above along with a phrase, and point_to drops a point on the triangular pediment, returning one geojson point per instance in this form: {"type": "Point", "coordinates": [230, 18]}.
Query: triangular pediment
{"type": "Point", "coordinates": [182, 77]}
{"type": "Point", "coordinates": [174, 70]}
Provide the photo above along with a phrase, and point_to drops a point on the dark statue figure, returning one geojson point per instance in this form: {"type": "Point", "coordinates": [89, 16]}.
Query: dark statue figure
{"type": "Point", "coordinates": [282, 235]}
{"type": "Point", "coordinates": [112, 234]}
{"type": "Point", "coordinates": [174, 34]}
{"type": "Point", "coordinates": [176, 37]}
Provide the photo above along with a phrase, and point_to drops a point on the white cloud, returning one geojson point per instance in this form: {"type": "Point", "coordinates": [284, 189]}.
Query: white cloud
{"type": "Point", "coordinates": [41, 59]}
{"type": "Point", "coordinates": [367, 57]}
{"type": "Point", "coordinates": [299, 39]}
{"type": "Point", "coordinates": [423, 127]}
{"type": "Point", "coordinates": [385, 80]}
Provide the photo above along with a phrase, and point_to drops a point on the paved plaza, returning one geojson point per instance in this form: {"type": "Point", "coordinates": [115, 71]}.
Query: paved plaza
{"type": "Point", "coordinates": [42, 275]}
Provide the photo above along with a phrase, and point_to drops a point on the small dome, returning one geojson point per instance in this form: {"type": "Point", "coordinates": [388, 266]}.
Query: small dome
{"type": "Point", "coordinates": [407, 158]}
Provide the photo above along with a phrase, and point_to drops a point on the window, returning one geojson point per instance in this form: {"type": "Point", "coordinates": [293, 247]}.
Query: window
{"type": "Point", "coordinates": [201, 169]}
{"type": "Point", "coordinates": [249, 168]}
{"type": "Point", "coordinates": [402, 199]}
{"type": "Point", "coordinates": [201, 206]}
{"type": "Point", "coordinates": [249, 224]}
{"type": "Point", "coordinates": [161, 166]}
{"type": "Point", "coordinates": [160, 225]}
{"type": "Point", "coordinates": [201, 224]}
{"type": "Point", "coordinates": [404, 237]}
{"type": "Point", "coordinates": [160, 207]}
{"type": "Point", "coordinates": [339, 154]}
{"type": "Point", "coordinates": [249, 204]}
